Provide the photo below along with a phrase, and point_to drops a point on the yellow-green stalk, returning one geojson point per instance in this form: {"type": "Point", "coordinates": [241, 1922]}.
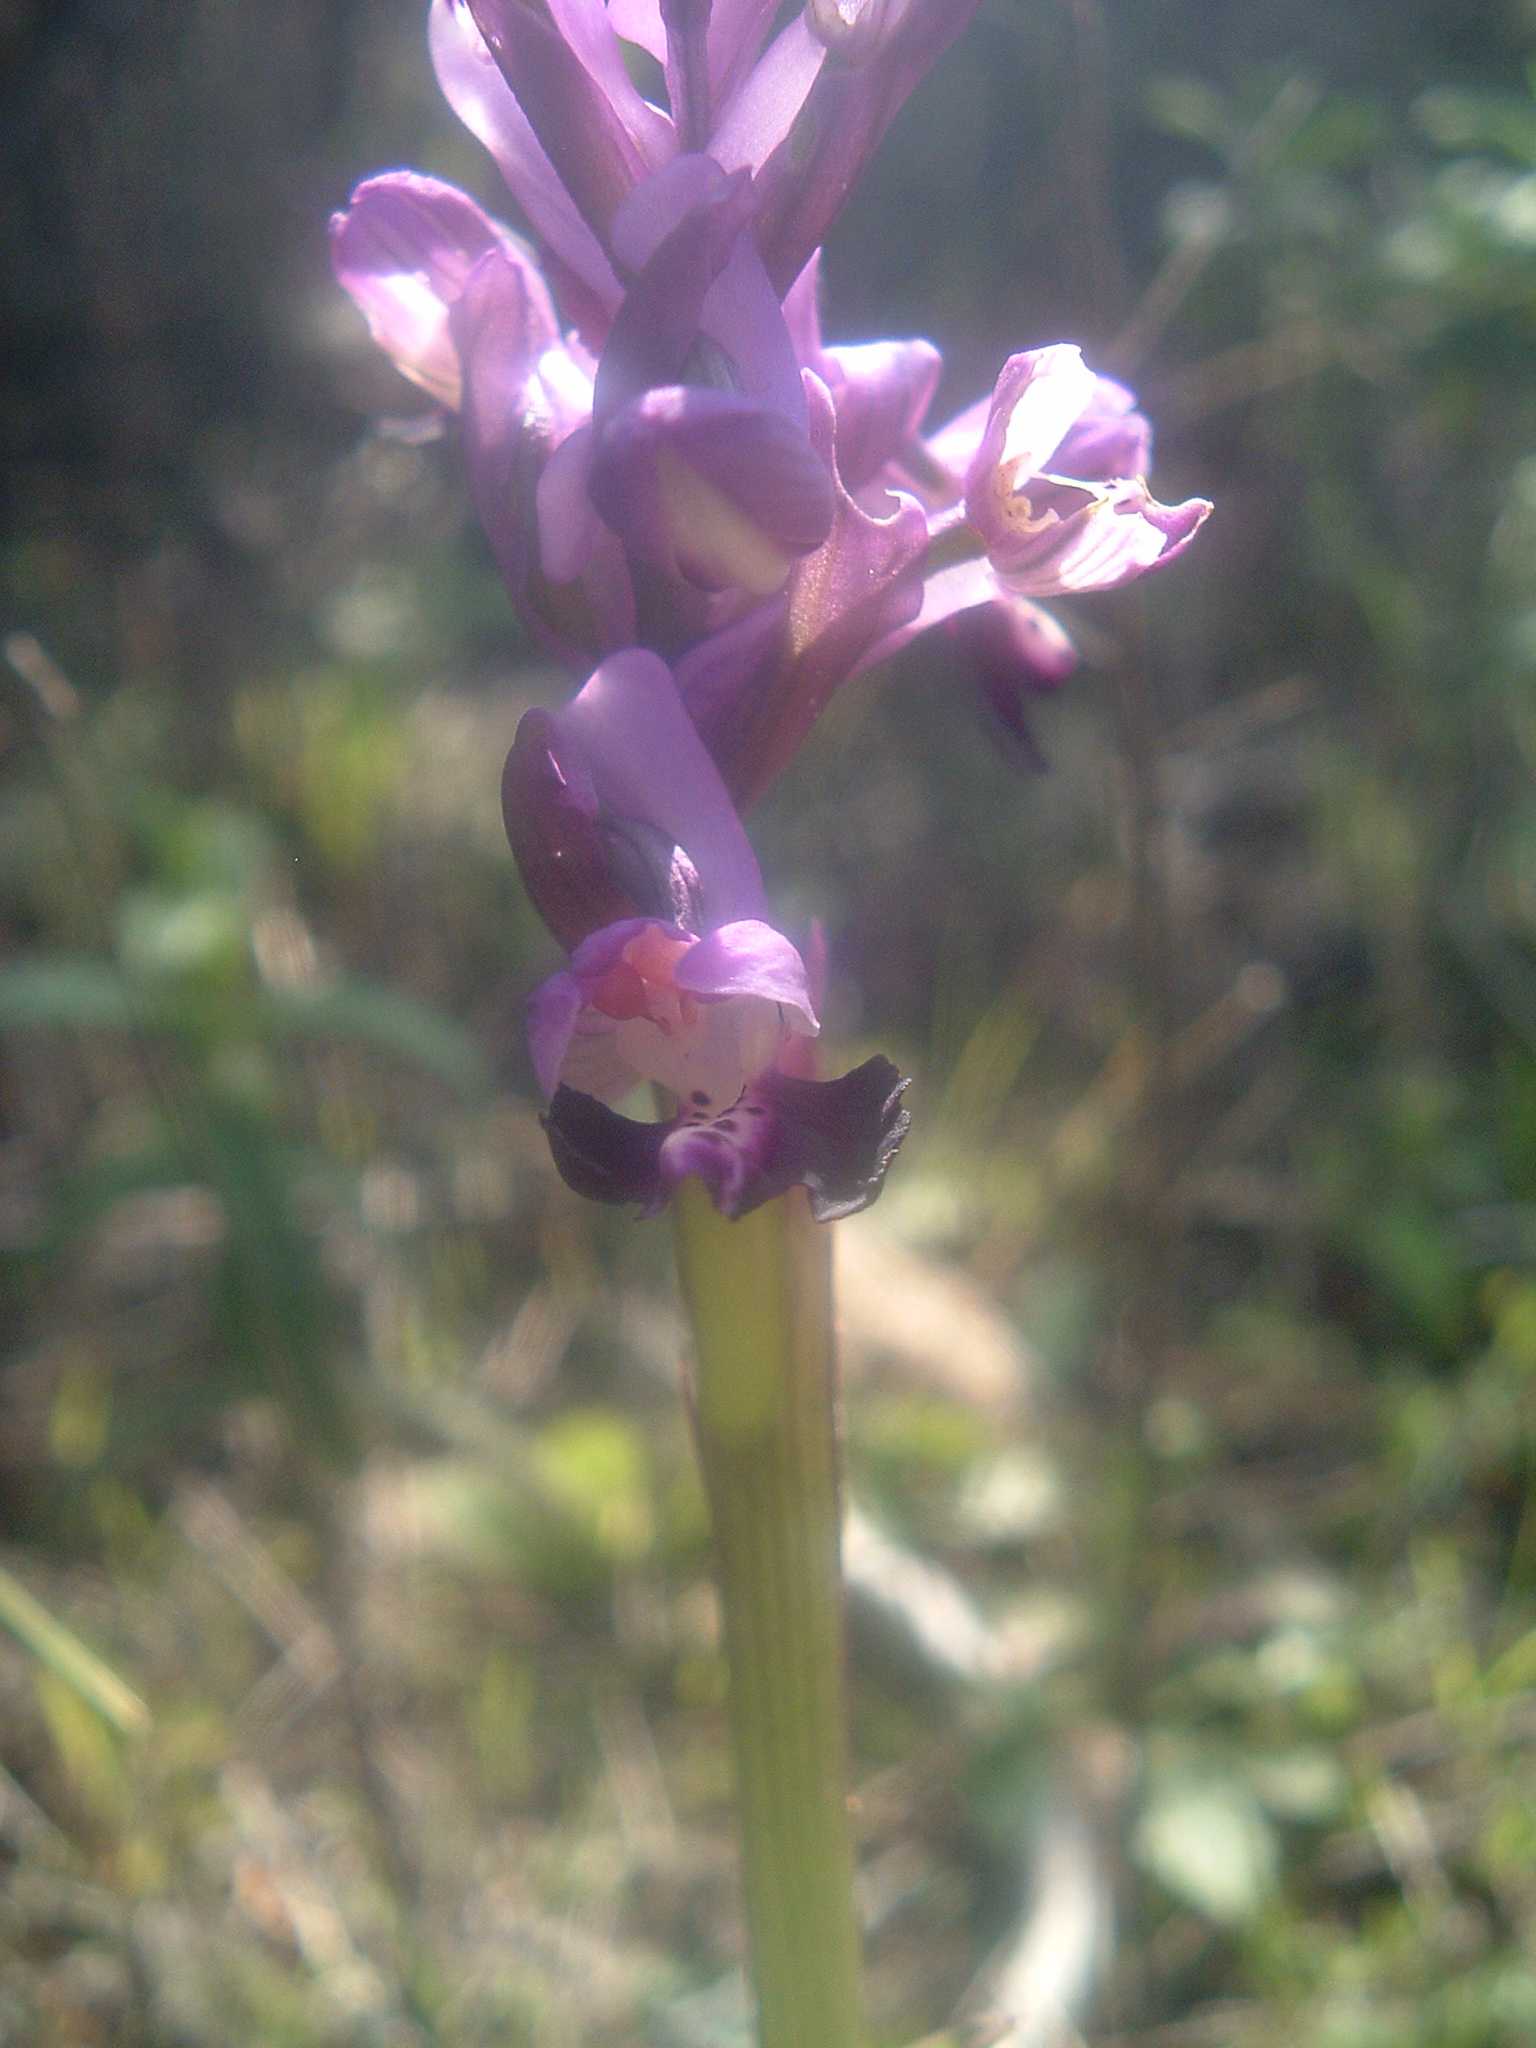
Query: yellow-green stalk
{"type": "Point", "coordinates": [759, 1296]}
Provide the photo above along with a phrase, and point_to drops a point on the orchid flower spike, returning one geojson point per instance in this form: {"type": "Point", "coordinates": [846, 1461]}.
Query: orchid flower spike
{"type": "Point", "coordinates": [614, 806]}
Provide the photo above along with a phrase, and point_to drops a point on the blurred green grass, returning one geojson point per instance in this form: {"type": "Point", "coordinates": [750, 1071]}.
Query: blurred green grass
{"type": "Point", "coordinates": [1191, 1352]}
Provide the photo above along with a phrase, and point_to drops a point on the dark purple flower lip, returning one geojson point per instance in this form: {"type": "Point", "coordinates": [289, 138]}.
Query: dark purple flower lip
{"type": "Point", "coordinates": [836, 1139]}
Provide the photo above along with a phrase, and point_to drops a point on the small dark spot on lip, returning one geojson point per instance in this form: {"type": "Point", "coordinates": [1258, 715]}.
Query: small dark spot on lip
{"type": "Point", "coordinates": [699, 1097]}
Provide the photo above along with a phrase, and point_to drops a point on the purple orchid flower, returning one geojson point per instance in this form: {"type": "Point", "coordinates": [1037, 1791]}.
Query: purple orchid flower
{"type": "Point", "coordinates": [461, 307]}
{"type": "Point", "coordinates": [613, 804]}
{"type": "Point", "coordinates": [1039, 490]}
{"type": "Point", "coordinates": [1031, 470]}
{"type": "Point", "coordinates": [699, 458]}
{"type": "Point", "coordinates": [546, 88]}
{"type": "Point", "coordinates": [1055, 487]}
{"type": "Point", "coordinates": [544, 84]}
{"type": "Point", "coordinates": [680, 455]}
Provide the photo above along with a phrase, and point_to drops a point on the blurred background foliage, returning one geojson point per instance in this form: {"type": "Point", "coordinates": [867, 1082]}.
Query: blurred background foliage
{"type": "Point", "coordinates": [358, 1671]}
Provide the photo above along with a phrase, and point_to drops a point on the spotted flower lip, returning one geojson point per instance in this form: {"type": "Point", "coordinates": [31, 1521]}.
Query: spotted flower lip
{"type": "Point", "coordinates": [643, 1001]}
{"type": "Point", "coordinates": [613, 801]}
{"type": "Point", "coordinates": [836, 1139]}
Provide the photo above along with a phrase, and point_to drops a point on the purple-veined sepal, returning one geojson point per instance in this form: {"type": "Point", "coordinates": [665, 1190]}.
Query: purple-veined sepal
{"type": "Point", "coordinates": [756, 687]}
{"type": "Point", "coordinates": [564, 68]}
{"type": "Point", "coordinates": [615, 810]}
{"type": "Point", "coordinates": [700, 462]}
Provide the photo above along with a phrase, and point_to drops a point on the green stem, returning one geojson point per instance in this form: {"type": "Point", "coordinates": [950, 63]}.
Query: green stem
{"type": "Point", "coordinates": [759, 1293]}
